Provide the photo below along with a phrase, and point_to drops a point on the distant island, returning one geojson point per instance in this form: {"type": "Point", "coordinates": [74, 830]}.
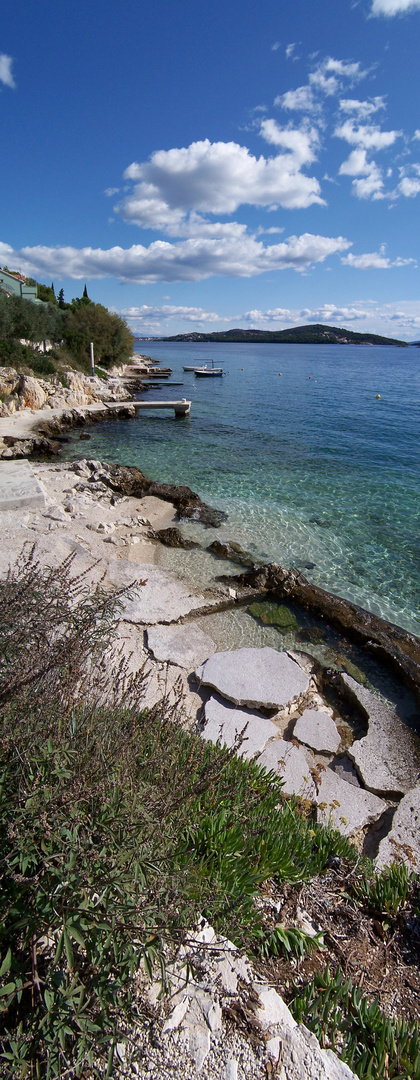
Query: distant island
{"type": "Point", "coordinates": [313, 334]}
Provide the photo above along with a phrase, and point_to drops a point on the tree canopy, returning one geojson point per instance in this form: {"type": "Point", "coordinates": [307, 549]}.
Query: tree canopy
{"type": "Point", "coordinates": [74, 325]}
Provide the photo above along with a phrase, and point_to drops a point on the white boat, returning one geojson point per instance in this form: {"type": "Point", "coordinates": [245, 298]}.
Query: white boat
{"type": "Point", "coordinates": [198, 363]}
{"type": "Point", "coordinates": [206, 370]}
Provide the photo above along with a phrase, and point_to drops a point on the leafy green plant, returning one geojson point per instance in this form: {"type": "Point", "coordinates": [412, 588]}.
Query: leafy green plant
{"type": "Point", "coordinates": [372, 1044]}
{"type": "Point", "coordinates": [287, 941]}
{"type": "Point", "coordinates": [386, 893]}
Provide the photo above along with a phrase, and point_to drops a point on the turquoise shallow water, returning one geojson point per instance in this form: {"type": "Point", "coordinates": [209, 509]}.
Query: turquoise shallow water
{"type": "Point", "coordinates": [312, 469]}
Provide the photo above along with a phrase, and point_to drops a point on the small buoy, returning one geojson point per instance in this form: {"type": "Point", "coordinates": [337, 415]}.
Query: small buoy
{"type": "Point", "coordinates": [309, 376]}
{"type": "Point", "coordinates": [378, 395]}
{"type": "Point", "coordinates": [242, 369]}
{"type": "Point", "coordinates": [280, 372]}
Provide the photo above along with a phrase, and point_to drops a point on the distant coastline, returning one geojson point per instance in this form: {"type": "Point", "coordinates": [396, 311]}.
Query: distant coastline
{"type": "Point", "coordinates": [312, 334]}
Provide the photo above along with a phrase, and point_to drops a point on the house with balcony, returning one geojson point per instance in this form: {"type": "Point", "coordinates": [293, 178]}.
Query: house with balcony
{"type": "Point", "coordinates": [15, 285]}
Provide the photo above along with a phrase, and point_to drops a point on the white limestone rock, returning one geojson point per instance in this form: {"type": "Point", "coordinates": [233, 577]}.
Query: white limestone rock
{"type": "Point", "coordinates": [162, 598]}
{"type": "Point", "coordinates": [258, 678]}
{"type": "Point", "coordinates": [385, 758]}
{"type": "Point", "coordinates": [186, 645]}
{"type": "Point", "coordinates": [293, 1045]}
{"type": "Point", "coordinates": [317, 730]}
{"type": "Point", "coordinates": [290, 764]}
{"type": "Point", "coordinates": [226, 725]}
{"type": "Point", "coordinates": [403, 841]}
{"type": "Point", "coordinates": [158, 682]}
{"type": "Point", "coordinates": [344, 806]}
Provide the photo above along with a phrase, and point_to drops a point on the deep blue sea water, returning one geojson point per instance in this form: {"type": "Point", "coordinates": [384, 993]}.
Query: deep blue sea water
{"type": "Point", "coordinates": [311, 466]}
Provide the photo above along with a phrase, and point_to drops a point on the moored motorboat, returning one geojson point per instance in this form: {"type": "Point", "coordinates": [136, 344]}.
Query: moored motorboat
{"type": "Point", "coordinates": [208, 371]}
{"type": "Point", "coordinates": [204, 369]}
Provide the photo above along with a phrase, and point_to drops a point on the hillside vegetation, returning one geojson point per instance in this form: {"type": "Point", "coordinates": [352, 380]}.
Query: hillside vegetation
{"type": "Point", "coordinates": [68, 327]}
{"type": "Point", "coordinates": [313, 334]}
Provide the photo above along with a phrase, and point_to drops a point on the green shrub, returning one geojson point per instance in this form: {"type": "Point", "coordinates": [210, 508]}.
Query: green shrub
{"type": "Point", "coordinates": [372, 1044]}
{"type": "Point", "coordinates": [386, 892]}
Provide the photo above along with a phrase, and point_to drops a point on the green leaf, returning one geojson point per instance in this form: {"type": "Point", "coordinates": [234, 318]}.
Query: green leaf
{"type": "Point", "coordinates": [75, 933]}
{"type": "Point", "coordinates": [69, 950]}
{"type": "Point", "coordinates": [7, 963]}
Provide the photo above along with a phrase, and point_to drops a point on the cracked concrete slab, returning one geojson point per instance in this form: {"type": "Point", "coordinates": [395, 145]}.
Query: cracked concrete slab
{"type": "Point", "coordinates": [290, 763]}
{"type": "Point", "coordinates": [19, 486]}
{"type": "Point", "coordinates": [344, 806]}
{"type": "Point", "coordinates": [403, 841]}
{"type": "Point", "coordinates": [317, 729]}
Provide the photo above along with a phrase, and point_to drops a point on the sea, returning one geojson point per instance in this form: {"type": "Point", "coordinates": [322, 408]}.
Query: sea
{"type": "Point", "coordinates": [312, 451]}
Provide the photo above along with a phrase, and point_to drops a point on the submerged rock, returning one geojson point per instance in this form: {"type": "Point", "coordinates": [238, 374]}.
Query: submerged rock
{"type": "Point", "coordinates": [277, 615]}
{"type": "Point", "coordinates": [233, 552]}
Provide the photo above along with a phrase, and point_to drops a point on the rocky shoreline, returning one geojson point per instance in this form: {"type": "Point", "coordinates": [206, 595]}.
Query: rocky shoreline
{"type": "Point", "coordinates": [337, 745]}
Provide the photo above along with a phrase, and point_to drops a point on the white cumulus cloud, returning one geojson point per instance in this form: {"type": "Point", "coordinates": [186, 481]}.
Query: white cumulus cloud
{"type": "Point", "coordinates": [327, 78]}
{"type": "Point", "coordinates": [302, 143]}
{"type": "Point", "coordinates": [188, 260]}
{"type": "Point", "coordinates": [6, 74]}
{"type": "Point", "coordinates": [409, 186]}
{"type": "Point", "coordinates": [375, 260]}
{"type": "Point", "coordinates": [362, 109]}
{"type": "Point", "coordinates": [155, 314]}
{"type": "Point", "coordinates": [368, 136]}
{"type": "Point", "coordinates": [301, 99]}
{"type": "Point", "coordinates": [394, 7]}
{"type": "Point", "coordinates": [215, 178]}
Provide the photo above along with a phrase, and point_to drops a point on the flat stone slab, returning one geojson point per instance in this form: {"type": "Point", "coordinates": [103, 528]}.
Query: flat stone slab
{"type": "Point", "coordinates": [290, 764]}
{"type": "Point", "coordinates": [403, 841]}
{"type": "Point", "coordinates": [259, 678]}
{"type": "Point", "coordinates": [345, 807]}
{"type": "Point", "coordinates": [163, 598]}
{"type": "Point", "coordinates": [226, 724]}
{"type": "Point", "coordinates": [19, 486]}
{"type": "Point", "coordinates": [317, 730]}
{"type": "Point", "coordinates": [185, 645]}
{"type": "Point", "coordinates": [385, 758]}
{"type": "Point", "coordinates": [155, 682]}
{"type": "Point", "coordinates": [338, 803]}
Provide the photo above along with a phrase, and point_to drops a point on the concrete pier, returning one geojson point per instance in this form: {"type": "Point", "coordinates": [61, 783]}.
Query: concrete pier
{"type": "Point", "coordinates": [181, 408]}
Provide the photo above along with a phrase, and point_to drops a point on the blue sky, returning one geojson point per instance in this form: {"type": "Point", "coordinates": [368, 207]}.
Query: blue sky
{"type": "Point", "coordinates": [210, 165]}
